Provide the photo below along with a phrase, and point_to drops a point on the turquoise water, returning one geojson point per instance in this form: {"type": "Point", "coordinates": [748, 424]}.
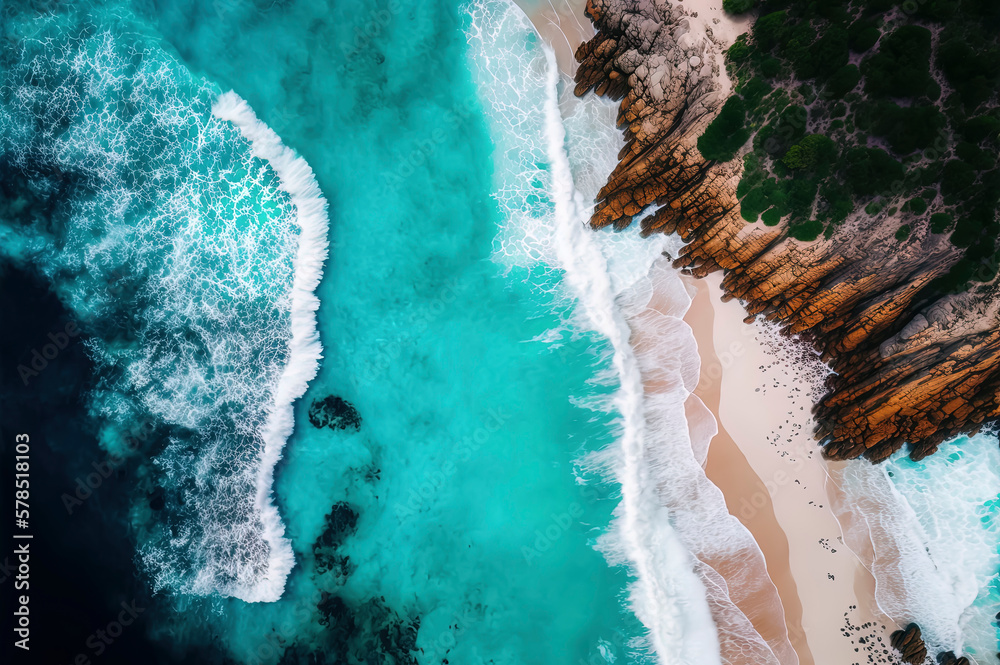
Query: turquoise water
{"type": "Point", "coordinates": [474, 474]}
{"type": "Point", "coordinates": [955, 498]}
{"type": "Point", "coordinates": [935, 525]}
{"type": "Point", "coordinates": [462, 524]}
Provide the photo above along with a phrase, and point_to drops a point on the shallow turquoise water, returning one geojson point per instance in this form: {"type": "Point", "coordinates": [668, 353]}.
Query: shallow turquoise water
{"type": "Point", "coordinates": [471, 516]}
{"type": "Point", "coordinates": [475, 525]}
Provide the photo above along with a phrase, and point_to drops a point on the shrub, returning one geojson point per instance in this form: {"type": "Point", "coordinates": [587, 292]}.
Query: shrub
{"type": "Point", "coordinates": [800, 193]}
{"type": "Point", "coordinates": [901, 68]}
{"type": "Point", "coordinates": [957, 177]}
{"type": "Point", "coordinates": [972, 72]}
{"type": "Point", "coordinates": [726, 134]}
{"type": "Point", "coordinates": [771, 217]}
{"type": "Point", "coordinates": [907, 128]}
{"type": "Point", "coordinates": [770, 30]}
{"type": "Point", "coordinates": [806, 231]}
{"type": "Point", "coordinates": [785, 131]}
{"type": "Point", "coordinates": [871, 171]}
{"type": "Point", "coordinates": [737, 6]}
{"type": "Point", "coordinates": [770, 67]}
{"type": "Point", "coordinates": [739, 51]}
{"type": "Point", "coordinates": [842, 81]}
{"type": "Point", "coordinates": [937, 10]}
{"type": "Point", "coordinates": [975, 156]}
{"type": "Point", "coordinates": [811, 153]}
{"type": "Point", "coordinates": [917, 206]}
{"type": "Point", "coordinates": [839, 201]}
{"type": "Point", "coordinates": [817, 58]}
{"type": "Point", "coordinates": [754, 90]}
{"type": "Point", "coordinates": [981, 127]}
{"type": "Point", "coordinates": [903, 232]}
{"type": "Point", "coordinates": [863, 35]}
{"type": "Point", "coordinates": [940, 222]}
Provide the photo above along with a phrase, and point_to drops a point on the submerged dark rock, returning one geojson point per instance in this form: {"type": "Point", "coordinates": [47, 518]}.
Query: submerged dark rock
{"type": "Point", "coordinates": [341, 521]}
{"type": "Point", "coordinates": [335, 413]}
{"type": "Point", "coordinates": [369, 632]}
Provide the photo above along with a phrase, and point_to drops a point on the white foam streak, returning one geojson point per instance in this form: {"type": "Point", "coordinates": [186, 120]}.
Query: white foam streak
{"type": "Point", "coordinates": [305, 349]}
{"type": "Point", "coordinates": [930, 533]}
{"type": "Point", "coordinates": [671, 525]}
{"type": "Point", "coordinates": [666, 595]}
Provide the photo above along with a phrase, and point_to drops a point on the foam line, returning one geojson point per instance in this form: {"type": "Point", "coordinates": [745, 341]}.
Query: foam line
{"type": "Point", "coordinates": [679, 621]}
{"type": "Point", "coordinates": [305, 348]}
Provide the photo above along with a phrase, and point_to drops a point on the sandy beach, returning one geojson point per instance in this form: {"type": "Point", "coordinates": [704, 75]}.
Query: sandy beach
{"type": "Point", "coordinates": [761, 387]}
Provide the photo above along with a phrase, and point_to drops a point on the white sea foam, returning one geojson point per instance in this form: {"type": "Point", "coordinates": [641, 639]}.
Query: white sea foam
{"type": "Point", "coordinates": [189, 247]}
{"type": "Point", "coordinates": [931, 532]}
{"type": "Point", "coordinates": [668, 507]}
{"type": "Point", "coordinates": [305, 349]}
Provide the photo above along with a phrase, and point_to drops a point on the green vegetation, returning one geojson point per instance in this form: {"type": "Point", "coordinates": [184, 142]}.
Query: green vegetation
{"type": "Point", "coordinates": [738, 6]}
{"type": "Point", "coordinates": [901, 67]}
{"type": "Point", "coordinates": [869, 105]}
{"type": "Point", "coordinates": [727, 133]}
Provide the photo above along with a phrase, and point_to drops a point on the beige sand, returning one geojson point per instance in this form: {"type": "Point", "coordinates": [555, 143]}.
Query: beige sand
{"type": "Point", "coordinates": [763, 458]}
{"type": "Point", "coordinates": [729, 469]}
{"type": "Point", "coordinates": [765, 392]}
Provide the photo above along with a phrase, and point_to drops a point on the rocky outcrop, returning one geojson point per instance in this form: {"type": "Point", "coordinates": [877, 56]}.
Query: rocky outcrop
{"type": "Point", "coordinates": [912, 649]}
{"type": "Point", "coordinates": [910, 365]}
{"type": "Point", "coordinates": [949, 658]}
{"type": "Point", "coordinates": [910, 645]}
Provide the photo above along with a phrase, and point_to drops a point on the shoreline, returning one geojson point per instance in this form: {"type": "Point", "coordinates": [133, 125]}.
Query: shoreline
{"type": "Point", "coordinates": [780, 493]}
{"type": "Point", "coordinates": [760, 394]}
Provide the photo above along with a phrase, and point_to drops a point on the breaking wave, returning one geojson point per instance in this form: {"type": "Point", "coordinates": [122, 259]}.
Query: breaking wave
{"type": "Point", "coordinates": [188, 246]}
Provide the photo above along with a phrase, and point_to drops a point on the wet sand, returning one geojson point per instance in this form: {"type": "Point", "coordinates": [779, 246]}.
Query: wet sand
{"type": "Point", "coordinates": [765, 388]}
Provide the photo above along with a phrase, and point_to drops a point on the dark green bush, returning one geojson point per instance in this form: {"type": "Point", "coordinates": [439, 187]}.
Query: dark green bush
{"type": "Point", "coordinates": [739, 51]}
{"type": "Point", "coordinates": [907, 128]}
{"type": "Point", "coordinates": [785, 131]}
{"type": "Point", "coordinates": [863, 35]}
{"type": "Point", "coordinates": [975, 156]}
{"type": "Point", "coordinates": [737, 6]}
{"type": "Point", "coordinates": [754, 90]}
{"type": "Point", "coordinates": [917, 206]}
{"type": "Point", "coordinates": [770, 67]}
{"type": "Point", "coordinates": [871, 171]}
{"type": "Point", "coordinates": [901, 68]}
{"type": "Point", "coordinates": [806, 231]}
{"type": "Point", "coordinates": [824, 57]}
{"type": "Point", "coordinates": [940, 222]}
{"type": "Point", "coordinates": [957, 177]}
{"type": "Point", "coordinates": [770, 30]}
{"type": "Point", "coordinates": [813, 152]}
{"type": "Point", "coordinates": [842, 82]}
{"type": "Point", "coordinates": [981, 127]}
{"type": "Point", "coordinates": [973, 72]}
{"type": "Point", "coordinates": [726, 134]}
{"type": "Point", "coordinates": [771, 217]}
{"type": "Point", "coordinates": [903, 232]}
{"type": "Point", "coordinates": [937, 10]}
{"type": "Point", "coordinates": [838, 200]}
{"type": "Point", "coordinates": [800, 193]}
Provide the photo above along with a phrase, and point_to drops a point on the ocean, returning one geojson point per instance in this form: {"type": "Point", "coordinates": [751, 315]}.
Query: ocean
{"type": "Point", "coordinates": [365, 380]}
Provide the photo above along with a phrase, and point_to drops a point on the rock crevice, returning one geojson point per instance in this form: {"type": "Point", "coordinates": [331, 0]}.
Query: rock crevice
{"type": "Point", "coordinates": [911, 365]}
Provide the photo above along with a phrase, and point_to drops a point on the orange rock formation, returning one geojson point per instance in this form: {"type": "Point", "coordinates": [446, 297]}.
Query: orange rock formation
{"type": "Point", "coordinates": [911, 366]}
